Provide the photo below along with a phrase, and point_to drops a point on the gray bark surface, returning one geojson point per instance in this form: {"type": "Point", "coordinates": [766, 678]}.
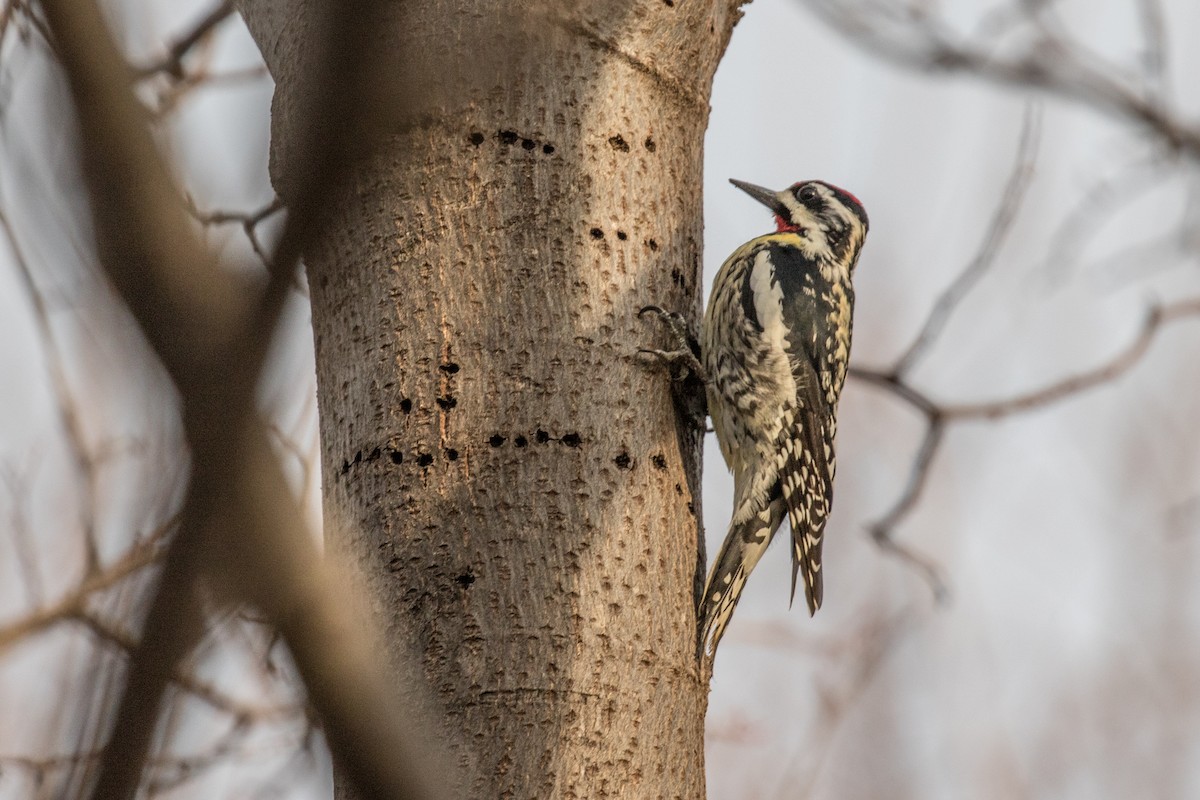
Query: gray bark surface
{"type": "Point", "coordinates": [511, 484]}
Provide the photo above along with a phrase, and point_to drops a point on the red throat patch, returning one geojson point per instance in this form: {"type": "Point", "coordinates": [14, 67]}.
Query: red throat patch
{"type": "Point", "coordinates": [783, 226]}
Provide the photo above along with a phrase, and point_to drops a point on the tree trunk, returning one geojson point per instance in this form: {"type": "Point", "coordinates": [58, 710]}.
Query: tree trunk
{"type": "Point", "coordinates": [514, 487]}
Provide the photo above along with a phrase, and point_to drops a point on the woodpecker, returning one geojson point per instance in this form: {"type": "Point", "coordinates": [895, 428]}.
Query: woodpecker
{"type": "Point", "coordinates": [774, 351]}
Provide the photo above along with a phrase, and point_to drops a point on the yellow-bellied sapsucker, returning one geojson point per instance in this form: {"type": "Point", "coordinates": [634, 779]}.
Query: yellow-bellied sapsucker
{"type": "Point", "coordinates": [775, 346]}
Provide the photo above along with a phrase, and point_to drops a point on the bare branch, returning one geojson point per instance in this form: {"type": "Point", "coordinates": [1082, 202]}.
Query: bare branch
{"type": "Point", "coordinates": [239, 523]}
{"type": "Point", "coordinates": [849, 663]}
{"type": "Point", "coordinates": [883, 529]}
{"type": "Point", "coordinates": [1053, 62]}
{"type": "Point", "coordinates": [891, 383]}
{"type": "Point", "coordinates": [7, 12]}
{"type": "Point", "coordinates": [87, 464]}
{"type": "Point", "coordinates": [1154, 52]}
{"type": "Point", "coordinates": [1100, 200]}
{"type": "Point", "coordinates": [304, 460]}
{"type": "Point", "coordinates": [178, 769]}
{"type": "Point", "coordinates": [191, 314]}
{"type": "Point", "coordinates": [248, 220]}
{"type": "Point", "coordinates": [74, 604]}
{"type": "Point", "coordinates": [938, 416]}
{"type": "Point", "coordinates": [23, 13]}
{"type": "Point", "coordinates": [170, 97]}
{"type": "Point", "coordinates": [172, 62]}
{"type": "Point", "coordinates": [22, 537]}
{"type": "Point", "coordinates": [1085, 381]}
{"type": "Point", "coordinates": [168, 774]}
{"type": "Point", "coordinates": [1001, 224]}
{"type": "Point", "coordinates": [1049, 63]}
{"type": "Point", "coordinates": [202, 690]}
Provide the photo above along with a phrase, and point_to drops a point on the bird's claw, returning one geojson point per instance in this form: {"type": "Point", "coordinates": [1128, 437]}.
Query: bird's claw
{"type": "Point", "coordinates": [688, 375]}
{"type": "Point", "coordinates": [686, 354]}
{"type": "Point", "coordinates": [680, 363]}
{"type": "Point", "coordinates": [676, 324]}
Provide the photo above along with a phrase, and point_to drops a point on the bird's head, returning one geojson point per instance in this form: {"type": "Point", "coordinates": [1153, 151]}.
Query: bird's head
{"type": "Point", "coordinates": [818, 211]}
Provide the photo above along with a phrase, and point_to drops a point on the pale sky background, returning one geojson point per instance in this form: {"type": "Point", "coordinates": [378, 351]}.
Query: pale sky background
{"type": "Point", "coordinates": [1066, 536]}
{"type": "Point", "coordinates": [1065, 662]}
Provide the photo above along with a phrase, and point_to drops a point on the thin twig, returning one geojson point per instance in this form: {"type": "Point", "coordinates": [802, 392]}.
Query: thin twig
{"type": "Point", "coordinates": [18, 521]}
{"type": "Point", "coordinates": [181, 768]}
{"type": "Point", "coordinates": [7, 12]}
{"type": "Point", "coordinates": [172, 62]}
{"type": "Point", "coordinates": [202, 690]}
{"type": "Point", "coordinates": [24, 14]}
{"type": "Point", "coordinates": [883, 529]}
{"type": "Point", "coordinates": [171, 96]}
{"type": "Point", "coordinates": [997, 232]}
{"type": "Point", "coordinates": [1127, 184]}
{"type": "Point", "coordinates": [1067, 388]}
{"type": "Point", "coordinates": [886, 380]}
{"type": "Point", "coordinates": [878, 640]}
{"type": "Point", "coordinates": [1049, 65]}
{"type": "Point", "coordinates": [249, 220]}
{"type": "Point", "coordinates": [141, 555]}
{"type": "Point", "coordinates": [87, 464]}
{"type": "Point", "coordinates": [1154, 52]}
{"type": "Point", "coordinates": [939, 415]}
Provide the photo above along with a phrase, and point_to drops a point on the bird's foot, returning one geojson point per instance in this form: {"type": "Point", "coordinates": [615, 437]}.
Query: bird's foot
{"type": "Point", "coordinates": [683, 361]}
{"type": "Point", "coordinates": [689, 381]}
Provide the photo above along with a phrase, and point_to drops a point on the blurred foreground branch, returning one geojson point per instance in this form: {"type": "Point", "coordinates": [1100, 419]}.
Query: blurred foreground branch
{"type": "Point", "coordinates": [240, 531]}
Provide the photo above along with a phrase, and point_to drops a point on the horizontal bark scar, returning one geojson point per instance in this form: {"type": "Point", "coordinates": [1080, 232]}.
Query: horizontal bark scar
{"type": "Point", "coordinates": [524, 690]}
{"type": "Point", "coordinates": [673, 86]}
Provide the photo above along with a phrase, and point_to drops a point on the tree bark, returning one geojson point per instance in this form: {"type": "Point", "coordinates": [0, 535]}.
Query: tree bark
{"type": "Point", "coordinates": [514, 488]}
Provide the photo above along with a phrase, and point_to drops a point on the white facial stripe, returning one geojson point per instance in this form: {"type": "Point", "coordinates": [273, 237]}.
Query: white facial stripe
{"type": "Point", "coordinates": [789, 200]}
{"type": "Point", "coordinates": [798, 212]}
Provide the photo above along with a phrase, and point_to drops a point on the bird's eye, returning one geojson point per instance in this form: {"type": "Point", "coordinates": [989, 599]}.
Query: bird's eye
{"type": "Point", "coordinates": [807, 194]}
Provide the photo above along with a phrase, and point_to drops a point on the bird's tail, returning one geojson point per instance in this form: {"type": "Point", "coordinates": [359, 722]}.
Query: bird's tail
{"type": "Point", "coordinates": [806, 556]}
{"type": "Point", "coordinates": [744, 545]}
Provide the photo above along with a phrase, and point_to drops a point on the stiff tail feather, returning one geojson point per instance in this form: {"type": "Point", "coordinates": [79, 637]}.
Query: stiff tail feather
{"type": "Point", "coordinates": [806, 557]}
{"type": "Point", "coordinates": [744, 545]}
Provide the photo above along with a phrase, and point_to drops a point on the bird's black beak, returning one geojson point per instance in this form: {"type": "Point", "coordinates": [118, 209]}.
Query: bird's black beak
{"type": "Point", "coordinates": [765, 196]}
